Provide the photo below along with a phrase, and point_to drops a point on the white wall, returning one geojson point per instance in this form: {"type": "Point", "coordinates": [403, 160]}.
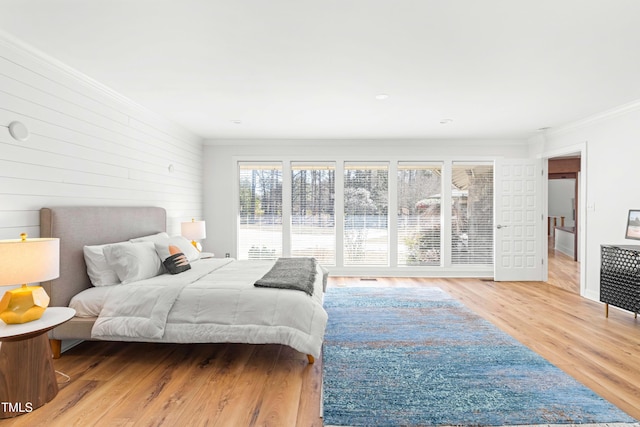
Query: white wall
{"type": "Point", "coordinates": [221, 157]}
{"type": "Point", "coordinates": [563, 242]}
{"type": "Point", "coordinates": [612, 159]}
{"type": "Point", "coordinates": [561, 195]}
{"type": "Point", "coordinates": [88, 146]}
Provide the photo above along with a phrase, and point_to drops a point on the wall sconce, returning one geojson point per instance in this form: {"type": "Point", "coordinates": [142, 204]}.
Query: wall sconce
{"type": "Point", "coordinates": [18, 131]}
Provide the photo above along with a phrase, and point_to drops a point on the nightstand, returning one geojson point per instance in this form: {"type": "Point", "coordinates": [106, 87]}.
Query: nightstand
{"type": "Point", "coordinates": [26, 363]}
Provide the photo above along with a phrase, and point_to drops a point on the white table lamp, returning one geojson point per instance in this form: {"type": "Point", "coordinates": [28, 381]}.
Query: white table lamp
{"type": "Point", "coordinates": [25, 261]}
{"type": "Point", "coordinates": [194, 230]}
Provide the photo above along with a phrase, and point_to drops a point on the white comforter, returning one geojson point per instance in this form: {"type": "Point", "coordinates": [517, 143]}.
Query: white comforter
{"type": "Point", "coordinates": [215, 301]}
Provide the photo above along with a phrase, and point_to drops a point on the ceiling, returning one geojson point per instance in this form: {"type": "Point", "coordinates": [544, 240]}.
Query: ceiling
{"type": "Point", "coordinates": [311, 69]}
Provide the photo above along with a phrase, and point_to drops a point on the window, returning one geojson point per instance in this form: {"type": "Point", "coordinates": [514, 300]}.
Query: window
{"type": "Point", "coordinates": [419, 216]}
{"type": "Point", "coordinates": [260, 210]}
{"type": "Point", "coordinates": [366, 195]}
{"type": "Point", "coordinates": [313, 227]}
{"type": "Point", "coordinates": [358, 234]}
{"type": "Point", "coordinates": [472, 213]}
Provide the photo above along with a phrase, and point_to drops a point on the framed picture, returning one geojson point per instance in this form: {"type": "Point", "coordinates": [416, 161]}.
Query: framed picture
{"type": "Point", "coordinates": [633, 225]}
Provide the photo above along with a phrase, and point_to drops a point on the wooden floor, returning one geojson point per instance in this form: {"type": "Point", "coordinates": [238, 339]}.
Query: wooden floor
{"type": "Point", "coordinates": [564, 272]}
{"type": "Point", "coordinates": [118, 384]}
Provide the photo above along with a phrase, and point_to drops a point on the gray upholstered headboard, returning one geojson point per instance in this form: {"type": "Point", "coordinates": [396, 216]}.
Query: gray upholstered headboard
{"type": "Point", "coordinates": [77, 226]}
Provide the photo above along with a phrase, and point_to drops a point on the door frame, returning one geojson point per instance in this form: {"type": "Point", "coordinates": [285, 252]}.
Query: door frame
{"type": "Point", "coordinates": [580, 148]}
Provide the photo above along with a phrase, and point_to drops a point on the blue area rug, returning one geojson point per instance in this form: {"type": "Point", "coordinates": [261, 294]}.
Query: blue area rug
{"type": "Point", "coordinates": [415, 356]}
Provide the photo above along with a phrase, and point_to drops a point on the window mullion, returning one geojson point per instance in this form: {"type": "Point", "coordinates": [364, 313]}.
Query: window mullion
{"type": "Point", "coordinates": [286, 209]}
{"type": "Point", "coordinates": [392, 215]}
{"type": "Point", "coordinates": [446, 216]}
{"type": "Point", "coordinates": [339, 213]}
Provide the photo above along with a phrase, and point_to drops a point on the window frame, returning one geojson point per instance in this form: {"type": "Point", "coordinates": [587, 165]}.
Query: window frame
{"type": "Point", "coordinates": [445, 269]}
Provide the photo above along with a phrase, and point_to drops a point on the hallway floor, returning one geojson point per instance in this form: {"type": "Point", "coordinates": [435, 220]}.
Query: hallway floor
{"type": "Point", "coordinates": [564, 272]}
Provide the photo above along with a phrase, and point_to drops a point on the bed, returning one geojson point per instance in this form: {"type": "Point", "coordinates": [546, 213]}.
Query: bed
{"type": "Point", "coordinates": [215, 300]}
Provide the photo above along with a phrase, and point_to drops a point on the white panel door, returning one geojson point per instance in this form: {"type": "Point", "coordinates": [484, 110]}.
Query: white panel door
{"type": "Point", "coordinates": [518, 210]}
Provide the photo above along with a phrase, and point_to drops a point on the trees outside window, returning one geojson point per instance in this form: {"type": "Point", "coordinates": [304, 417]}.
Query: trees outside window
{"type": "Point", "coordinates": [260, 211]}
{"type": "Point", "coordinates": [313, 226]}
{"type": "Point", "coordinates": [366, 203]}
{"type": "Point", "coordinates": [419, 214]}
{"type": "Point", "coordinates": [472, 213]}
{"type": "Point", "coordinates": [425, 233]}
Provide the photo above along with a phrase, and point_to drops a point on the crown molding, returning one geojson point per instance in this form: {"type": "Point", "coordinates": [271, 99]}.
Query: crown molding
{"type": "Point", "coordinates": [366, 142]}
{"type": "Point", "coordinates": [593, 119]}
{"type": "Point", "coordinates": [30, 52]}
{"type": "Point", "coordinates": [25, 49]}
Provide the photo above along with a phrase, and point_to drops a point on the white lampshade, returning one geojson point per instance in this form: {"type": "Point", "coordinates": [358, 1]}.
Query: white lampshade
{"type": "Point", "coordinates": [29, 260]}
{"type": "Point", "coordinates": [194, 230]}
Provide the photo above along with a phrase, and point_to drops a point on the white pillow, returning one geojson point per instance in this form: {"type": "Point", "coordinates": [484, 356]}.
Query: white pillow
{"type": "Point", "coordinates": [162, 247]}
{"type": "Point", "coordinates": [133, 261]}
{"type": "Point", "coordinates": [151, 238]}
{"type": "Point", "coordinates": [89, 302]}
{"type": "Point", "coordinates": [97, 268]}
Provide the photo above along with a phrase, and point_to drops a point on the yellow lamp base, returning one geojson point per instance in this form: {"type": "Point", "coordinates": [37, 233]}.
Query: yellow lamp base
{"type": "Point", "coordinates": [197, 245]}
{"type": "Point", "coordinates": [23, 304]}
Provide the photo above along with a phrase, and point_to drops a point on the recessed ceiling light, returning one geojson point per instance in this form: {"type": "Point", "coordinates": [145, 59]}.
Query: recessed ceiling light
{"type": "Point", "coordinates": [446, 121]}
{"type": "Point", "coordinates": [236, 122]}
{"type": "Point", "coordinates": [382, 96]}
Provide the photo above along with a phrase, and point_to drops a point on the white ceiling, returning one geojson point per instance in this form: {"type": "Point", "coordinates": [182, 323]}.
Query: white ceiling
{"type": "Point", "coordinates": [312, 68]}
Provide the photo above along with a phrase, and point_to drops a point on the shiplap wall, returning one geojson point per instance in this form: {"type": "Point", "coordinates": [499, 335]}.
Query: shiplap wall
{"type": "Point", "coordinates": [88, 146]}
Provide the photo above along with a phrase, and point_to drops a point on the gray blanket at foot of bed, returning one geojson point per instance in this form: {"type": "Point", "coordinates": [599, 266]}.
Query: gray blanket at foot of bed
{"type": "Point", "coordinates": [291, 273]}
